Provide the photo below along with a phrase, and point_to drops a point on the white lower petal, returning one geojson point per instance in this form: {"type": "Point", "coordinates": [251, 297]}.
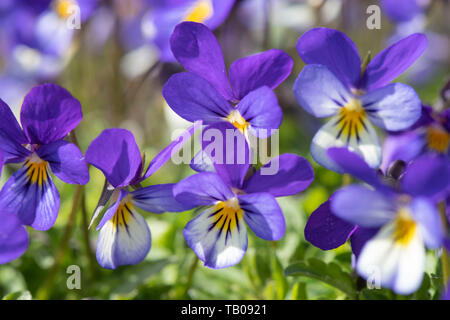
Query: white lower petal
{"type": "Point", "coordinates": [124, 240]}
{"type": "Point", "coordinates": [214, 243]}
{"type": "Point", "coordinates": [365, 143]}
{"type": "Point", "coordinates": [399, 267]}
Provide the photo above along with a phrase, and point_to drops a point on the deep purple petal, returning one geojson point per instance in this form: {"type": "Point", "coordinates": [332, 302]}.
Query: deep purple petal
{"type": "Point", "coordinates": [363, 207]}
{"type": "Point", "coordinates": [427, 176]}
{"type": "Point", "coordinates": [333, 49]}
{"type": "Point", "coordinates": [269, 68]}
{"type": "Point", "coordinates": [204, 188]}
{"type": "Point", "coordinates": [229, 151]}
{"type": "Point", "coordinates": [263, 215]}
{"type": "Point", "coordinates": [392, 61]}
{"type": "Point", "coordinates": [194, 98]}
{"type": "Point", "coordinates": [36, 201]}
{"type": "Point", "coordinates": [158, 199]}
{"type": "Point", "coordinates": [196, 48]}
{"type": "Point", "coordinates": [325, 230]}
{"type": "Point", "coordinates": [319, 91]}
{"type": "Point", "coordinates": [66, 160]}
{"type": "Point", "coordinates": [285, 175]}
{"type": "Point", "coordinates": [11, 136]}
{"type": "Point", "coordinates": [164, 156]}
{"type": "Point", "coordinates": [14, 237]}
{"type": "Point", "coordinates": [117, 155]}
{"type": "Point", "coordinates": [430, 222]}
{"type": "Point", "coordinates": [49, 112]}
{"type": "Point", "coordinates": [260, 108]}
{"type": "Point", "coordinates": [359, 238]}
{"type": "Point", "coordinates": [353, 164]}
{"type": "Point", "coordinates": [394, 107]}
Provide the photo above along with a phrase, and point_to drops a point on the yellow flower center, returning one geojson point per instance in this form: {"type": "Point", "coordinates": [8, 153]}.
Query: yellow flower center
{"type": "Point", "coordinates": [351, 120]}
{"type": "Point", "coordinates": [64, 8]}
{"type": "Point", "coordinates": [227, 215]}
{"type": "Point", "coordinates": [438, 139]}
{"type": "Point", "coordinates": [200, 11]}
{"type": "Point", "coordinates": [237, 120]}
{"type": "Point", "coordinates": [405, 227]}
{"type": "Point", "coordinates": [123, 213]}
{"type": "Point", "coordinates": [36, 170]}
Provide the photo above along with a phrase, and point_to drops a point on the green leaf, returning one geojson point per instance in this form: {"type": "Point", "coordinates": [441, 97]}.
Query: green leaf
{"type": "Point", "coordinates": [280, 280]}
{"type": "Point", "coordinates": [376, 294]}
{"type": "Point", "coordinates": [423, 293]}
{"type": "Point", "coordinates": [299, 291]}
{"type": "Point", "coordinates": [19, 295]}
{"type": "Point", "coordinates": [138, 275]}
{"type": "Point", "coordinates": [329, 273]}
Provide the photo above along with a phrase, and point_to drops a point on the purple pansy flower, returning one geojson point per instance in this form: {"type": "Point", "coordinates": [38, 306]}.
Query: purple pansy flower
{"type": "Point", "coordinates": [231, 199]}
{"type": "Point", "coordinates": [332, 84]}
{"type": "Point", "coordinates": [48, 114]}
{"type": "Point", "coordinates": [124, 234]}
{"type": "Point", "coordinates": [13, 236]}
{"type": "Point", "coordinates": [205, 93]}
{"type": "Point", "coordinates": [394, 223]}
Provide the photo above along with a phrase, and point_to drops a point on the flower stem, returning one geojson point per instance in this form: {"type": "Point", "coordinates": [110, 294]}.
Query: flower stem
{"type": "Point", "coordinates": [445, 259]}
{"type": "Point", "coordinates": [87, 243]}
{"type": "Point", "coordinates": [44, 290]}
{"type": "Point", "coordinates": [182, 294]}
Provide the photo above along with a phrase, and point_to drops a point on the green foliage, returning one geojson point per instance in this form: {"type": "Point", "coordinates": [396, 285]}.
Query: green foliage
{"type": "Point", "coordinates": [329, 273]}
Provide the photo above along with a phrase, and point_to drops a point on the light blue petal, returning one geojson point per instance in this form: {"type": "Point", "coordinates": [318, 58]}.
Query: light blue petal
{"type": "Point", "coordinates": [393, 107]}
{"type": "Point", "coordinates": [427, 215]}
{"type": "Point", "coordinates": [319, 91]}
{"type": "Point", "coordinates": [363, 207]}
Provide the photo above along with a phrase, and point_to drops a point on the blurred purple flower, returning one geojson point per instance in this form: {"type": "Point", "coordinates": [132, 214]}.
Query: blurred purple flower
{"type": "Point", "coordinates": [48, 114]}
{"type": "Point", "coordinates": [393, 222]}
{"type": "Point", "coordinates": [167, 14]}
{"type": "Point", "coordinates": [218, 234]}
{"type": "Point", "coordinates": [333, 84]}
{"type": "Point", "coordinates": [245, 99]}
{"type": "Point", "coordinates": [124, 235]}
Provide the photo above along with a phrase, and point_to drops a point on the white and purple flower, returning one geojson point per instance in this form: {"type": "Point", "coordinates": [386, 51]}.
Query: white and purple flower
{"type": "Point", "coordinates": [244, 99]}
{"type": "Point", "coordinates": [125, 237]}
{"type": "Point", "coordinates": [335, 84]}
{"type": "Point", "coordinates": [48, 114]}
{"type": "Point", "coordinates": [389, 224]}
{"type": "Point", "coordinates": [230, 201]}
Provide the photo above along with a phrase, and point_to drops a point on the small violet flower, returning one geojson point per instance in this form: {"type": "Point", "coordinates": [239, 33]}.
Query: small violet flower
{"type": "Point", "coordinates": [230, 199]}
{"type": "Point", "coordinates": [390, 224]}
{"type": "Point", "coordinates": [165, 15]}
{"type": "Point", "coordinates": [334, 84]}
{"type": "Point", "coordinates": [245, 99]}
{"type": "Point", "coordinates": [13, 236]}
{"type": "Point", "coordinates": [124, 234]}
{"type": "Point", "coordinates": [48, 114]}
